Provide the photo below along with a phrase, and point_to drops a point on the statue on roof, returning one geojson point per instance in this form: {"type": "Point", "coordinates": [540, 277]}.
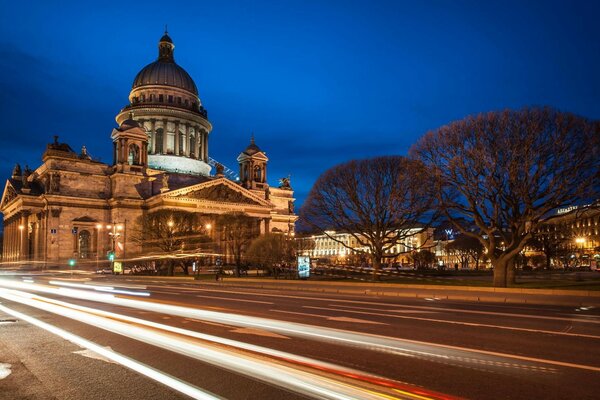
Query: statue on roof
{"type": "Point", "coordinates": [284, 183]}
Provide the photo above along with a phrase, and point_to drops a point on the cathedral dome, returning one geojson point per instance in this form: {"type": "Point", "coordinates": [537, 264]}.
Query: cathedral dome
{"type": "Point", "coordinates": [165, 71]}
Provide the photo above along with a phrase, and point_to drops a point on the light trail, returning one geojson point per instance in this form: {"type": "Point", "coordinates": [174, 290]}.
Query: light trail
{"type": "Point", "coordinates": [296, 380]}
{"type": "Point", "coordinates": [446, 354]}
{"type": "Point", "coordinates": [305, 361]}
{"type": "Point", "coordinates": [160, 377]}
{"type": "Point", "coordinates": [100, 288]}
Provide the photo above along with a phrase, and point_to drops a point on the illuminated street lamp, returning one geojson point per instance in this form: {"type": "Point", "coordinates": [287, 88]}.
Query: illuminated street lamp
{"type": "Point", "coordinates": [114, 236]}
{"type": "Point", "coordinates": [21, 227]}
{"type": "Point", "coordinates": [580, 241]}
{"type": "Point", "coordinates": [98, 244]}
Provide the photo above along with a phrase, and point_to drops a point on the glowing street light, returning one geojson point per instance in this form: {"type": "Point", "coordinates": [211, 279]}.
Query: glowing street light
{"type": "Point", "coordinates": [21, 227]}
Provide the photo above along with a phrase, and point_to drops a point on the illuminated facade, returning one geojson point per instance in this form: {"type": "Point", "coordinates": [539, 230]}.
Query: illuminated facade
{"type": "Point", "coordinates": [61, 209]}
{"type": "Point", "coordinates": [574, 232]}
{"type": "Point", "coordinates": [340, 247]}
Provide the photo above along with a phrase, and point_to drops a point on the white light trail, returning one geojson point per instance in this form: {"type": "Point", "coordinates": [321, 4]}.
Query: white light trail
{"type": "Point", "coordinates": [402, 347]}
{"type": "Point", "coordinates": [127, 362]}
{"type": "Point", "coordinates": [100, 288]}
{"type": "Point", "coordinates": [211, 338]}
{"type": "Point", "coordinates": [263, 369]}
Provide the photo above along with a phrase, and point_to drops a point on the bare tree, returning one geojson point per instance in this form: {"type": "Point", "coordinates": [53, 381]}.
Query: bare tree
{"type": "Point", "coordinates": [465, 248]}
{"type": "Point", "coordinates": [506, 170]}
{"type": "Point", "coordinates": [170, 231]}
{"type": "Point", "coordinates": [422, 259]}
{"type": "Point", "coordinates": [237, 232]}
{"type": "Point", "coordinates": [272, 250]}
{"type": "Point", "coordinates": [380, 202]}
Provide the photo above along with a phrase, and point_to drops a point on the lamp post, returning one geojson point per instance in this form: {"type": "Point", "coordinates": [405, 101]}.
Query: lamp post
{"type": "Point", "coordinates": [114, 236]}
{"type": "Point", "coordinates": [21, 227]}
{"type": "Point", "coordinates": [580, 241]}
{"type": "Point", "coordinates": [98, 246]}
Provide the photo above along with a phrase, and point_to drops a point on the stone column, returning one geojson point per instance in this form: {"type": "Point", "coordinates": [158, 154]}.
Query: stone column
{"type": "Point", "coordinates": [187, 139]}
{"type": "Point", "coordinates": [197, 145]}
{"type": "Point", "coordinates": [177, 138]}
{"type": "Point", "coordinates": [165, 136]}
{"type": "Point", "coordinates": [264, 174]}
{"type": "Point", "coordinates": [153, 134]}
{"type": "Point", "coordinates": [24, 239]}
{"type": "Point", "coordinates": [205, 139]}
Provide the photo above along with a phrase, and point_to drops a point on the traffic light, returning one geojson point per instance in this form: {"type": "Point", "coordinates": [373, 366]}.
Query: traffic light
{"type": "Point", "coordinates": [72, 262]}
{"type": "Point", "coordinates": [111, 256]}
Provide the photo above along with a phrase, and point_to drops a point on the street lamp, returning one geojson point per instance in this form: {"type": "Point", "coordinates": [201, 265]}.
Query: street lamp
{"type": "Point", "coordinates": [114, 236]}
{"type": "Point", "coordinates": [98, 246]}
{"type": "Point", "coordinates": [21, 227]}
{"type": "Point", "coordinates": [580, 241]}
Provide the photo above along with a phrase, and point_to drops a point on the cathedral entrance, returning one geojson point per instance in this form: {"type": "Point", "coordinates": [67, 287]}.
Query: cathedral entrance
{"type": "Point", "coordinates": [84, 244]}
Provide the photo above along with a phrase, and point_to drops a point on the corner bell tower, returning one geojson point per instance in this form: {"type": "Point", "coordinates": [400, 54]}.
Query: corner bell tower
{"type": "Point", "coordinates": [253, 167]}
{"type": "Point", "coordinates": [130, 147]}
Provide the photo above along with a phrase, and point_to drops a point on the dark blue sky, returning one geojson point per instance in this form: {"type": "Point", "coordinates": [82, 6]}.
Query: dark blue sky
{"type": "Point", "coordinates": [319, 82]}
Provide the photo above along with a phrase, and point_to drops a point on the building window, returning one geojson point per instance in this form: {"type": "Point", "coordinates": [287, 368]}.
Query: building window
{"type": "Point", "coordinates": [84, 244]}
{"type": "Point", "coordinates": [192, 146]}
{"type": "Point", "coordinates": [159, 141]}
{"type": "Point", "coordinates": [170, 99]}
{"type": "Point", "coordinates": [179, 100]}
{"type": "Point", "coordinates": [161, 98]}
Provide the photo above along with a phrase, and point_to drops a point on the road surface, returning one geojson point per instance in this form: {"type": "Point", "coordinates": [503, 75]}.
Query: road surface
{"type": "Point", "coordinates": [128, 338]}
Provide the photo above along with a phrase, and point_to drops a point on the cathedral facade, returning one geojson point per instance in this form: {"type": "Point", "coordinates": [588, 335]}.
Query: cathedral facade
{"type": "Point", "coordinates": [61, 210]}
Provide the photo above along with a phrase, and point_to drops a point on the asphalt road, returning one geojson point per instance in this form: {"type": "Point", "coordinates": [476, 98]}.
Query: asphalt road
{"type": "Point", "coordinates": [171, 340]}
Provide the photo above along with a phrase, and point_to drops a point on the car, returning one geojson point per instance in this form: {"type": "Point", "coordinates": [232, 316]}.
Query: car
{"type": "Point", "coordinates": [104, 271]}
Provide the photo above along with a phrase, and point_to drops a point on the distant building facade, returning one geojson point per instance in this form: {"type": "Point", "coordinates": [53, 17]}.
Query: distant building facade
{"type": "Point", "coordinates": [61, 209]}
{"type": "Point", "coordinates": [344, 248]}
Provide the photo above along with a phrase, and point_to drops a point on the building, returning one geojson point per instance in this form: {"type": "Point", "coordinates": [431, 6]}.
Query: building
{"type": "Point", "coordinates": [61, 209]}
{"type": "Point", "coordinates": [343, 248]}
{"type": "Point", "coordinates": [570, 237]}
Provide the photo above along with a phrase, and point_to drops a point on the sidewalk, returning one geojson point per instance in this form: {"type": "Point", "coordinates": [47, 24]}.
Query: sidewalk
{"type": "Point", "coordinates": [575, 298]}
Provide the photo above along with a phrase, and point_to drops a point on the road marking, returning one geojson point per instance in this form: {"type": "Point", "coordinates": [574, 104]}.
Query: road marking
{"type": "Point", "coordinates": [438, 309]}
{"type": "Point", "coordinates": [5, 370]}
{"type": "Point", "coordinates": [130, 363]}
{"type": "Point", "coordinates": [93, 355]}
{"type": "Point", "coordinates": [258, 332]}
{"type": "Point", "coordinates": [451, 322]}
{"type": "Point", "coordinates": [200, 321]}
{"type": "Point", "coordinates": [339, 319]}
{"type": "Point", "coordinates": [232, 299]}
{"type": "Point", "coordinates": [356, 320]}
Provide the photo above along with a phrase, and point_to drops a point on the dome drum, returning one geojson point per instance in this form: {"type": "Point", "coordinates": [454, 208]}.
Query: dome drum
{"type": "Point", "coordinates": [164, 100]}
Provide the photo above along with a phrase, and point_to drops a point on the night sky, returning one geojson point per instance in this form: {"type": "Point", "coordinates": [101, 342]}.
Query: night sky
{"type": "Point", "coordinates": [318, 82]}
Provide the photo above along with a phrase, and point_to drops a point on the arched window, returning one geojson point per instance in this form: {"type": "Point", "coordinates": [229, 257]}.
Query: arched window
{"type": "Point", "coordinates": [192, 145]}
{"type": "Point", "coordinates": [181, 143]}
{"type": "Point", "coordinates": [257, 174]}
{"type": "Point", "coordinates": [133, 154]}
{"type": "Point", "coordinates": [83, 244]}
{"type": "Point", "coordinates": [159, 141]}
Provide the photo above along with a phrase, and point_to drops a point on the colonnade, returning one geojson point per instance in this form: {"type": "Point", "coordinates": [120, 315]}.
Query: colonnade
{"type": "Point", "coordinates": [195, 143]}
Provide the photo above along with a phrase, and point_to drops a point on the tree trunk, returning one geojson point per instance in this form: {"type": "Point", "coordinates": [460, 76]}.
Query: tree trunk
{"type": "Point", "coordinates": [510, 273]}
{"type": "Point", "coordinates": [376, 261]}
{"type": "Point", "coordinates": [504, 272]}
{"type": "Point", "coordinates": [500, 267]}
{"type": "Point", "coordinates": [171, 268]}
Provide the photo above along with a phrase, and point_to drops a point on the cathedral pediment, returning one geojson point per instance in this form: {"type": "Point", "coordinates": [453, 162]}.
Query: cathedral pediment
{"type": "Point", "coordinates": [10, 193]}
{"type": "Point", "coordinates": [219, 191]}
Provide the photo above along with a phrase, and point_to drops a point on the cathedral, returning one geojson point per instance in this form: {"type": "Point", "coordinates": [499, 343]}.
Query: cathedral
{"type": "Point", "coordinates": [63, 209]}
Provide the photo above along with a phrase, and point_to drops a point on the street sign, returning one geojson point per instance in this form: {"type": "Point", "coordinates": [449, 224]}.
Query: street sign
{"type": "Point", "coordinates": [117, 267]}
{"type": "Point", "coordinates": [303, 267]}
